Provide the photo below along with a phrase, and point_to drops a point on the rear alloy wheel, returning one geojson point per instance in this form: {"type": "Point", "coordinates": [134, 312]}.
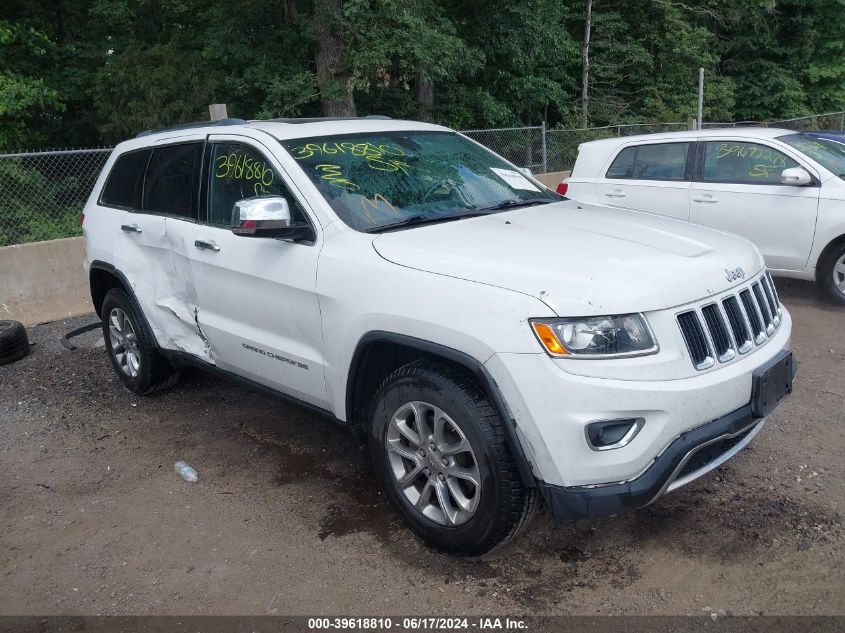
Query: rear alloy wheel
{"type": "Point", "coordinates": [830, 276]}
{"type": "Point", "coordinates": [440, 454]}
{"type": "Point", "coordinates": [124, 343]}
{"type": "Point", "coordinates": [131, 346]}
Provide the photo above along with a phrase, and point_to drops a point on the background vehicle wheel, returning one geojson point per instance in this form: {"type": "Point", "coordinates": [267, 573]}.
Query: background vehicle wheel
{"type": "Point", "coordinates": [130, 346]}
{"type": "Point", "coordinates": [830, 277]}
{"type": "Point", "coordinates": [440, 454]}
{"type": "Point", "coordinates": [14, 343]}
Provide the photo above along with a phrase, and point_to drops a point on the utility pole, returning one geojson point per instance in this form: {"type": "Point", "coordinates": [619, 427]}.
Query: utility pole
{"type": "Point", "coordinates": [700, 97]}
{"type": "Point", "coordinates": [585, 65]}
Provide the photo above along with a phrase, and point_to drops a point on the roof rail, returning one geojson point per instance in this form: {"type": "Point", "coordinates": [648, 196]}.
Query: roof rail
{"type": "Point", "coordinates": [188, 126]}
{"type": "Point", "coordinates": [321, 119]}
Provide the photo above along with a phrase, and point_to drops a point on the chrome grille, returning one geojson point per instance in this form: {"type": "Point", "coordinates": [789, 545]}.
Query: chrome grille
{"type": "Point", "coordinates": [721, 330]}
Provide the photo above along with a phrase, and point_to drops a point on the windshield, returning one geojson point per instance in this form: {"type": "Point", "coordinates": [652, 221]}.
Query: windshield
{"type": "Point", "coordinates": [828, 154]}
{"type": "Point", "coordinates": [373, 181]}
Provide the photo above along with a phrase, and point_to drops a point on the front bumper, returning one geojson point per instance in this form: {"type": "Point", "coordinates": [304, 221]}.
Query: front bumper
{"type": "Point", "coordinates": [693, 454]}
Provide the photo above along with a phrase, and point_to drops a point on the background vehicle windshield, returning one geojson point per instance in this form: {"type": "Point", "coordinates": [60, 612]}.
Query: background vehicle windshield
{"type": "Point", "coordinates": [826, 153]}
{"type": "Point", "coordinates": [373, 180]}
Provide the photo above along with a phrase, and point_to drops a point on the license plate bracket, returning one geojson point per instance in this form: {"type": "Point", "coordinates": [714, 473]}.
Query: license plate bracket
{"type": "Point", "coordinates": [772, 382]}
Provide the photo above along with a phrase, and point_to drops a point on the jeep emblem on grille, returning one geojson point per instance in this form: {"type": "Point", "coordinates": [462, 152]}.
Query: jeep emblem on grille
{"type": "Point", "coordinates": [736, 273]}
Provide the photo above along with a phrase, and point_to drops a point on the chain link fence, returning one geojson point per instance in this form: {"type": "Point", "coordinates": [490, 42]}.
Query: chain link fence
{"type": "Point", "coordinates": [523, 146]}
{"type": "Point", "coordinates": [43, 193]}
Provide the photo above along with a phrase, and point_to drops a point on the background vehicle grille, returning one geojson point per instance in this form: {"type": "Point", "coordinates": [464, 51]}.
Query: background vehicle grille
{"type": "Point", "coordinates": [721, 330]}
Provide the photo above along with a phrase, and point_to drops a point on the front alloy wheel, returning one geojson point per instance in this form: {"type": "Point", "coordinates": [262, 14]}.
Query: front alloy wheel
{"type": "Point", "coordinates": [839, 275]}
{"type": "Point", "coordinates": [433, 463]}
{"type": "Point", "coordinates": [439, 452]}
{"type": "Point", "coordinates": [830, 274]}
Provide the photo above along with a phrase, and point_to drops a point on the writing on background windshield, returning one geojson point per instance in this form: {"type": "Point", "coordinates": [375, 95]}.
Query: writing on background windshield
{"type": "Point", "coordinates": [828, 154]}
{"type": "Point", "coordinates": [372, 180]}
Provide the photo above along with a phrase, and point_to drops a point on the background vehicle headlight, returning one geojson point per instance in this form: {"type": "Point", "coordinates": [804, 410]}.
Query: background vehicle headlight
{"type": "Point", "coordinates": [605, 336]}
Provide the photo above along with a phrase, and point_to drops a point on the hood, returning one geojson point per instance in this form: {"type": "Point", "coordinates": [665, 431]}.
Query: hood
{"type": "Point", "coordinates": [579, 259]}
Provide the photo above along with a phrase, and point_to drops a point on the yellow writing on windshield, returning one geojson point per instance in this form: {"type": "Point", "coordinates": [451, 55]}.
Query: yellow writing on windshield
{"type": "Point", "coordinates": [383, 157]}
{"type": "Point", "coordinates": [333, 174]}
{"type": "Point", "coordinates": [376, 203]}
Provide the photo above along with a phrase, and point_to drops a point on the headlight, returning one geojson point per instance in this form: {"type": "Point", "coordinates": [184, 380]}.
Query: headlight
{"type": "Point", "coordinates": [595, 337]}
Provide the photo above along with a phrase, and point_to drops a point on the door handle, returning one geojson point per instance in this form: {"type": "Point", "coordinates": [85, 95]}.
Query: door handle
{"type": "Point", "coordinates": [130, 228]}
{"type": "Point", "coordinates": [207, 245]}
{"type": "Point", "coordinates": [616, 193]}
{"type": "Point", "coordinates": [705, 198]}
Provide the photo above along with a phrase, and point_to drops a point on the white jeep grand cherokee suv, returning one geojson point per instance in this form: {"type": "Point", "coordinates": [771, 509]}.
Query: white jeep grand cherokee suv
{"type": "Point", "coordinates": [497, 344]}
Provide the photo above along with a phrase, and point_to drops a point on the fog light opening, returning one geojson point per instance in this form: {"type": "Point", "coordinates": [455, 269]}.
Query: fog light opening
{"type": "Point", "coordinates": [609, 434]}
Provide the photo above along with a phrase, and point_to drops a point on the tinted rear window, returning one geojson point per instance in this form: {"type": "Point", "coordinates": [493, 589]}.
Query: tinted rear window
{"type": "Point", "coordinates": [171, 182]}
{"type": "Point", "coordinates": [123, 187]}
{"type": "Point", "coordinates": [623, 164]}
{"type": "Point", "coordinates": [655, 161]}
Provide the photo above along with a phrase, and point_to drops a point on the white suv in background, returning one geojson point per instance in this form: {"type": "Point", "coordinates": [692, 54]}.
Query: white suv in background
{"type": "Point", "coordinates": [783, 190]}
{"type": "Point", "coordinates": [496, 344]}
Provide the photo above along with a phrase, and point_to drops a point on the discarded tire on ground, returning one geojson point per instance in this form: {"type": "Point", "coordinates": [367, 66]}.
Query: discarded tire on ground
{"type": "Point", "coordinates": [14, 343]}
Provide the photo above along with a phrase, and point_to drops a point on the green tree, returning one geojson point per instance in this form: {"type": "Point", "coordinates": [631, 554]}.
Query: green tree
{"type": "Point", "coordinates": [26, 99]}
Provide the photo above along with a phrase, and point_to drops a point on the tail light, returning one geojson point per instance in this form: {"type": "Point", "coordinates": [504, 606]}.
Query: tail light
{"type": "Point", "coordinates": [562, 188]}
{"type": "Point", "coordinates": [81, 219]}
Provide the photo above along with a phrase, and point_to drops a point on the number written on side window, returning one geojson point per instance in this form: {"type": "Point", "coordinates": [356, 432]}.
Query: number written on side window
{"type": "Point", "coordinates": [744, 163]}
{"type": "Point", "coordinates": [237, 172]}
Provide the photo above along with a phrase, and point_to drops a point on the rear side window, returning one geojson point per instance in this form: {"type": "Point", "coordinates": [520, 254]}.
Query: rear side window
{"type": "Point", "coordinates": [657, 161]}
{"type": "Point", "coordinates": [743, 163]}
{"type": "Point", "coordinates": [123, 187]}
{"type": "Point", "coordinates": [172, 178]}
{"type": "Point", "coordinates": [623, 164]}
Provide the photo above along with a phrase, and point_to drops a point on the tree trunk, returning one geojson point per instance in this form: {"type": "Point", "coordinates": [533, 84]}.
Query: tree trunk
{"type": "Point", "coordinates": [585, 66]}
{"type": "Point", "coordinates": [332, 75]}
{"type": "Point", "coordinates": [424, 96]}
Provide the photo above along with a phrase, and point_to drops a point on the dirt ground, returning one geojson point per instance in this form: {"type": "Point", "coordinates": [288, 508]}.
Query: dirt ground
{"type": "Point", "coordinates": [286, 518]}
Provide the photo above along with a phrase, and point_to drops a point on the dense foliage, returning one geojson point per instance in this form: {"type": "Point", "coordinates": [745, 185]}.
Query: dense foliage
{"type": "Point", "coordinates": [84, 72]}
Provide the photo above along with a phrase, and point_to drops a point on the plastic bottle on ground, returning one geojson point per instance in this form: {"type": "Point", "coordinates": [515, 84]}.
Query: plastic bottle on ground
{"type": "Point", "coordinates": [185, 472]}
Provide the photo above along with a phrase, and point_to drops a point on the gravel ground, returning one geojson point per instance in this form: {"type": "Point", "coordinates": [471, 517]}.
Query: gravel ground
{"type": "Point", "coordinates": [286, 518]}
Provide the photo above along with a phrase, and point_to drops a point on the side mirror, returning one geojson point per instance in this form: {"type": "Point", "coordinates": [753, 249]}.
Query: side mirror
{"type": "Point", "coordinates": [527, 171]}
{"type": "Point", "coordinates": [267, 216]}
{"type": "Point", "coordinates": [797, 176]}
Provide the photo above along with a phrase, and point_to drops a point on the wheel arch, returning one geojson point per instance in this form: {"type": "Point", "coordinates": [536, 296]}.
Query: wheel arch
{"type": "Point", "coordinates": [102, 277]}
{"type": "Point", "coordinates": [830, 246]}
{"type": "Point", "coordinates": [378, 353]}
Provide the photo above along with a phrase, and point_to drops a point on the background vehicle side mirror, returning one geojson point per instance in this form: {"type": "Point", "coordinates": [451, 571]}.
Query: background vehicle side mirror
{"type": "Point", "coordinates": [267, 216]}
{"type": "Point", "coordinates": [797, 176]}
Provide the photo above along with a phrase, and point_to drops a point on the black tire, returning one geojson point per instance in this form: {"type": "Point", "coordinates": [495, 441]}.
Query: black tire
{"type": "Point", "coordinates": [154, 373]}
{"type": "Point", "coordinates": [506, 505]}
{"type": "Point", "coordinates": [825, 282]}
{"type": "Point", "coordinates": [14, 343]}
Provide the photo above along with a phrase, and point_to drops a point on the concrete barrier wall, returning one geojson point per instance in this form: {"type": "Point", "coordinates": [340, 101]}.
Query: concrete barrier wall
{"type": "Point", "coordinates": [553, 178]}
{"type": "Point", "coordinates": [43, 281]}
